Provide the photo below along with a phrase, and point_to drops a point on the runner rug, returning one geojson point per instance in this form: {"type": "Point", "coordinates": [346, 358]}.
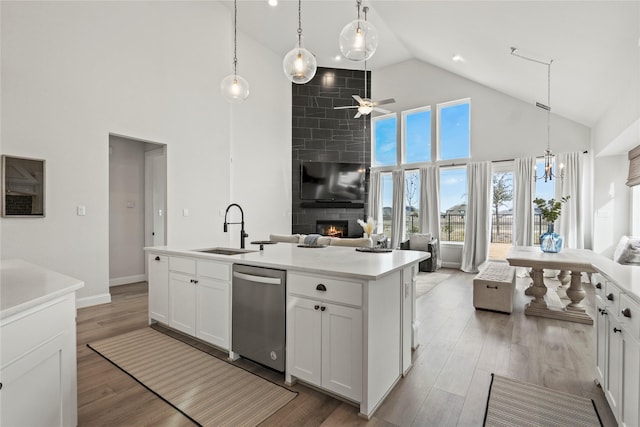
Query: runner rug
{"type": "Point", "coordinates": [207, 390]}
{"type": "Point", "coordinates": [514, 403]}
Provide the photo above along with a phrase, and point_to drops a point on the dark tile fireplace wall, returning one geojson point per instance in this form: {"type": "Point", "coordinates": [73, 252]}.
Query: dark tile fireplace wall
{"type": "Point", "coordinates": [321, 133]}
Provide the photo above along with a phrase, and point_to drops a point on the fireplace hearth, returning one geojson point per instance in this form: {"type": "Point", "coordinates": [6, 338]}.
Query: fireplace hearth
{"type": "Point", "coordinates": [332, 227]}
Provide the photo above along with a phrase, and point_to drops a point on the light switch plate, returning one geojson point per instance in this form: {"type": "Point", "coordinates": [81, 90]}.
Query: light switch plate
{"type": "Point", "coordinates": [81, 210]}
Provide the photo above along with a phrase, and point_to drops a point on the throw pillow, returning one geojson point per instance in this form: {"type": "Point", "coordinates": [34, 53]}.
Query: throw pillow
{"type": "Point", "coordinates": [628, 251]}
{"type": "Point", "coordinates": [420, 242]}
{"type": "Point", "coordinates": [284, 238]}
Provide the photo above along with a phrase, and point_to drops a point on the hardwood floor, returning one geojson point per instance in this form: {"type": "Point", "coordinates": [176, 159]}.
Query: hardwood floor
{"type": "Point", "coordinates": [447, 386]}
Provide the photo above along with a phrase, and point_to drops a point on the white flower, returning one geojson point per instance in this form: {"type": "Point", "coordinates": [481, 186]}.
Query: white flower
{"type": "Point", "coordinates": [368, 226]}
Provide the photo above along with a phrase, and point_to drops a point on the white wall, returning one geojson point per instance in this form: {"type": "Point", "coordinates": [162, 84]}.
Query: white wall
{"type": "Point", "coordinates": [611, 203]}
{"type": "Point", "coordinates": [126, 210]}
{"type": "Point", "coordinates": [73, 72]}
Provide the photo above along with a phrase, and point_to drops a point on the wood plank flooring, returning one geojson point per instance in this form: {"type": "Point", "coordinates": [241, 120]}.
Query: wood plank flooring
{"type": "Point", "coordinates": [447, 386]}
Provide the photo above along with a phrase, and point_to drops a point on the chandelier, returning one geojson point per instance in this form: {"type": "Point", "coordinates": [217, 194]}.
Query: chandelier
{"type": "Point", "coordinates": [358, 39]}
{"type": "Point", "coordinates": [549, 157]}
{"type": "Point", "coordinates": [299, 64]}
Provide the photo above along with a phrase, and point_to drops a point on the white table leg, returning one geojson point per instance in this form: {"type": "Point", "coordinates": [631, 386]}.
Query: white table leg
{"type": "Point", "coordinates": [576, 293]}
{"type": "Point", "coordinates": [539, 289]}
{"type": "Point", "coordinates": [564, 277]}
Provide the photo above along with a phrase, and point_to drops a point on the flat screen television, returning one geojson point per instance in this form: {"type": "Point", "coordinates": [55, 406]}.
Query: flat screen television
{"type": "Point", "coordinates": [330, 181]}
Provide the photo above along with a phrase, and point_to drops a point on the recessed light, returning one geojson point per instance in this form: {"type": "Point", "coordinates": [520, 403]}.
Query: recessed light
{"type": "Point", "coordinates": [458, 58]}
{"type": "Point", "coordinates": [273, 2]}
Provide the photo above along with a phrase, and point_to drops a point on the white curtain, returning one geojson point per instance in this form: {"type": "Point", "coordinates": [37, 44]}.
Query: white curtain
{"type": "Point", "coordinates": [430, 203]}
{"type": "Point", "coordinates": [477, 232]}
{"type": "Point", "coordinates": [524, 189]}
{"type": "Point", "coordinates": [397, 219]}
{"type": "Point", "coordinates": [569, 225]}
{"type": "Point", "coordinates": [374, 198]}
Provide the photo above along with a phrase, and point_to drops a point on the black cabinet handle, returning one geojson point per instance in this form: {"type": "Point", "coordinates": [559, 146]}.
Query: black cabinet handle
{"type": "Point", "coordinates": [195, 281]}
{"type": "Point", "coordinates": [0, 386]}
{"type": "Point", "coordinates": [604, 312]}
{"type": "Point", "coordinates": [626, 312]}
{"type": "Point", "coordinates": [610, 297]}
{"type": "Point", "coordinates": [157, 258]}
{"type": "Point", "coordinates": [599, 310]}
{"type": "Point", "coordinates": [491, 287]}
{"type": "Point", "coordinates": [598, 285]}
{"type": "Point", "coordinates": [321, 287]}
{"type": "Point", "coordinates": [315, 307]}
{"type": "Point", "coordinates": [323, 308]}
{"type": "Point", "coordinates": [617, 330]}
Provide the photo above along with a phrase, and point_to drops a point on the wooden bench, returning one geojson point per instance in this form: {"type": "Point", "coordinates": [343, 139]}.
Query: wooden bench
{"type": "Point", "coordinates": [494, 287]}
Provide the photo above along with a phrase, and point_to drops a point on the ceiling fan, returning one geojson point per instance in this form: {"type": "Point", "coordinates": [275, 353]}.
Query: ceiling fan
{"type": "Point", "coordinates": [365, 105]}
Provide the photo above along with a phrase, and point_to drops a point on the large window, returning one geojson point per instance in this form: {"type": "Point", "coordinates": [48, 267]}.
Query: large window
{"type": "Point", "coordinates": [544, 190]}
{"type": "Point", "coordinates": [453, 203]}
{"type": "Point", "coordinates": [384, 141]}
{"type": "Point", "coordinates": [412, 201]}
{"type": "Point", "coordinates": [454, 130]}
{"type": "Point", "coordinates": [416, 135]}
{"type": "Point", "coordinates": [386, 188]}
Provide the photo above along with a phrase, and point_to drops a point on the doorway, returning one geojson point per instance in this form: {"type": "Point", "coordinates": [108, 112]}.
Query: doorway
{"type": "Point", "coordinates": [502, 211]}
{"type": "Point", "coordinates": [137, 205]}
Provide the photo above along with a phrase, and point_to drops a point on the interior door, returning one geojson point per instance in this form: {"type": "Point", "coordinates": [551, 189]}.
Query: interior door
{"type": "Point", "coordinates": [155, 197]}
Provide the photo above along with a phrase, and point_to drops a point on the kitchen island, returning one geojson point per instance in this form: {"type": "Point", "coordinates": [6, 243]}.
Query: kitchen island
{"type": "Point", "coordinates": [350, 316]}
{"type": "Point", "coordinates": [37, 346]}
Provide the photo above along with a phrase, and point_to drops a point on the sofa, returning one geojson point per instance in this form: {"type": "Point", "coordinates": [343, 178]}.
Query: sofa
{"type": "Point", "coordinates": [425, 243]}
{"type": "Point", "coordinates": [301, 239]}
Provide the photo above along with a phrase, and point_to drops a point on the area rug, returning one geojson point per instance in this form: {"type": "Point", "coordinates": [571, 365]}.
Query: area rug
{"type": "Point", "coordinates": [425, 282]}
{"type": "Point", "coordinates": [515, 403]}
{"type": "Point", "coordinates": [207, 390]}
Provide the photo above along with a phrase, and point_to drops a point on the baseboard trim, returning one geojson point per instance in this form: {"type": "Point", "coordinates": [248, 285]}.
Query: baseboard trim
{"type": "Point", "coordinates": [94, 300]}
{"type": "Point", "coordinates": [451, 265]}
{"type": "Point", "coordinates": [126, 280]}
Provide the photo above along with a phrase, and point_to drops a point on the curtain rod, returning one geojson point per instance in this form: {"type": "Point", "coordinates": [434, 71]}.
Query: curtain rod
{"type": "Point", "coordinates": [538, 157]}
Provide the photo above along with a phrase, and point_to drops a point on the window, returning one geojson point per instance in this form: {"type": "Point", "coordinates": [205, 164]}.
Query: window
{"type": "Point", "coordinates": [416, 135]}
{"type": "Point", "coordinates": [454, 130]}
{"type": "Point", "coordinates": [544, 190]}
{"type": "Point", "coordinates": [384, 143]}
{"type": "Point", "coordinates": [453, 202]}
{"type": "Point", "coordinates": [386, 188]}
{"type": "Point", "coordinates": [412, 201]}
{"type": "Point", "coordinates": [502, 211]}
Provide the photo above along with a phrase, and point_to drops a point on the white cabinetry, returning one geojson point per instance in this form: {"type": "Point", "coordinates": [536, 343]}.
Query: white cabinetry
{"type": "Point", "coordinates": [198, 297]}
{"type": "Point", "coordinates": [158, 279]}
{"type": "Point", "coordinates": [38, 366]}
{"type": "Point", "coordinates": [324, 333]}
{"type": "Point", "coordinates": [618, 350]}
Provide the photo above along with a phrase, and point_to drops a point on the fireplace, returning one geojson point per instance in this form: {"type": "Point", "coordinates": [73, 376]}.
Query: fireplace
{"type": "Point", "coordinates": [332, 227]}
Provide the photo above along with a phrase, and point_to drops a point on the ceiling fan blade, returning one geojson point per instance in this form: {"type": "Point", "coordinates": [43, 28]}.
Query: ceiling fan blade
{"type": "Point", "coordinates": [358, 114]}
{"type": "Point", "coordinates": [357, 98]}
{"type": "Point", "coordinates": [384, 101]}
{"type": "Point", "coordinates": [381, 110]}
{"type": "Point", "coordinates": [346, 106]}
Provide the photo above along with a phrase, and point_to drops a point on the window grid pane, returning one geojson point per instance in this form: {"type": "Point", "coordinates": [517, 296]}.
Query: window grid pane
{"type": "Point", "coordinates": [412, 202]}
{"type": "Point", "coordinates": [453, 202]}
{"type": "Point", "coordinates": [417, 136]}
{"type": "Point", "coordinates": [385, 144]}
{"type": "Point", "coordinates": [454, 131]}
{"type": "Point", "coordinates": [386, 188]}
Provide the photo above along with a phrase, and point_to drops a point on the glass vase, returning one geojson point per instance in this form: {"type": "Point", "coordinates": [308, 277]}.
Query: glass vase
{"type": "Point", "coordinates": [550, 241]}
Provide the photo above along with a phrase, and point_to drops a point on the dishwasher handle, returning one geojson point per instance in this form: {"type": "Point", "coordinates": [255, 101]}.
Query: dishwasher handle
{"type": "Point", "coordinates": [257, 279]}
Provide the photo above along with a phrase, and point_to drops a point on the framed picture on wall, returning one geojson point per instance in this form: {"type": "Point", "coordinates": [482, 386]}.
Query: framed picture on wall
{"type": "Point", "coordinates": [23, 187]}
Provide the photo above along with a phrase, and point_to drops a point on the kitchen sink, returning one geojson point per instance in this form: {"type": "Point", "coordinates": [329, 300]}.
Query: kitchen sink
{"type": "Point", "coordinates": [224, 251]}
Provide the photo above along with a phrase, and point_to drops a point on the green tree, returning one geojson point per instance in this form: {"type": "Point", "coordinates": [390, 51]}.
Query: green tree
{"type": "Point", "coordinates": [502, 193]}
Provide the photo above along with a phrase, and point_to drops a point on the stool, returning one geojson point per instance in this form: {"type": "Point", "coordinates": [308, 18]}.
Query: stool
{"type": "Point", "coordinates": [494, 287]}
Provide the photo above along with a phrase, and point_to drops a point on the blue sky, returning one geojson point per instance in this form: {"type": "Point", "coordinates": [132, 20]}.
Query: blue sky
{"type": "Point", "coordinates": [385, 137]}
{"type": "Point", "coordinates": [418, 137]}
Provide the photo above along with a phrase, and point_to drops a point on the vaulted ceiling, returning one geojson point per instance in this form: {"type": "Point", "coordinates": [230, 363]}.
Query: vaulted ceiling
{"type": "Point", "coordinates": [595, 45]}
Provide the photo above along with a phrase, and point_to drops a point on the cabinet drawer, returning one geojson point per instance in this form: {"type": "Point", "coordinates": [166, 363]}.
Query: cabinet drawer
{"type": "Point", "coordinates": [337, 290]}
{"type": "Point", "coordinates": [183, 265]}
{"type": "Point", "coordinates": [214, 270]}
{"type": "Point", "coordinates": [599, 284]}
{"type": "Point", "coordinates": [158, 259]}
{"type": "Point", "coordinates": [612, 298]}
{"type": "Point", "coordinates": [630, 315]}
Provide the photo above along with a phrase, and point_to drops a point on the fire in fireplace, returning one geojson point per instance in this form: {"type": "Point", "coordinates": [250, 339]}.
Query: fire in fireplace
{"type": "Point", "coordinates": [332, 227]}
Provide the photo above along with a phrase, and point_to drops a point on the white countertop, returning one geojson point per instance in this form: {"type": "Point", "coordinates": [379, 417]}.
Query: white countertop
{"type": "Point", "coordinates": [24, 285]}
{"type": "Point", "coordinates": [332, 260]}
{"type": "Point", "coordinates": [627, 277]}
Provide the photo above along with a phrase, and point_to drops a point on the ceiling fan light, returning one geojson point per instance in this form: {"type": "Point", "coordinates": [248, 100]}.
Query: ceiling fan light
{"type": "Point", "coordinates": [358, 40]}
{"type": "Point", "coordinates": [299, 65]}
{"type": "Point", "coordinates": [365, 109]}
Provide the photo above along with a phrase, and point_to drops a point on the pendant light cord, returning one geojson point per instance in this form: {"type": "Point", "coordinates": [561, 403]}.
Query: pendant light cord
{"type": "Point", "coordinates": [299, 23]}
{"type": "Point", "coordinates": [235, 37]}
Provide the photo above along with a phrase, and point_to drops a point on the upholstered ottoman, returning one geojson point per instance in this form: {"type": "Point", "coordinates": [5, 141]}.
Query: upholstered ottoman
{"type": "Point", "coordinates": [494, 287]}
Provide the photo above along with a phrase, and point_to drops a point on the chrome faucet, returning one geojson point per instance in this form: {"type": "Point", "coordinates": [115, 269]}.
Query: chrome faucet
{"type": "Point", "coordinates": [242, 232]}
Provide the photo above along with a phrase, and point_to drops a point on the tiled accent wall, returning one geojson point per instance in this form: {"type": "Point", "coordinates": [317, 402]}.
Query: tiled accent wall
{"type": "Point", "coordinates": [321, 133]}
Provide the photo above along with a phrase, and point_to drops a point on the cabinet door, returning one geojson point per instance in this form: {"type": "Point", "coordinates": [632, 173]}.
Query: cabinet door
{"type": "Point", "coordinates": [613, 371]}
{"type": "Point", "coordinates": [342, 350]}
{"type": "Point", "coordinates": [601, 342]}
{"type": "Point", "coordinates": [630, 395]}
{"type": "Point", "coordinates": [304, 339]}
{"type": "Point", "coordinates": [182, 303]}
{"type": "Point", "coordinates": [212, 311]}
{"type": "Point", "coordinates": [158, 277]}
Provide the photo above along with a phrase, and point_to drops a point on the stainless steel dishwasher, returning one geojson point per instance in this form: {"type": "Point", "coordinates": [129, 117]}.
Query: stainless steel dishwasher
{"type": "Point", "coordinates": [258, 317]}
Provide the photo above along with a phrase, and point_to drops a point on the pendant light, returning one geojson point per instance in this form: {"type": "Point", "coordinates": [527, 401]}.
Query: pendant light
{"type": "Point", "coordinates": [549, 157]}
{"type": "Point", "coordinates": [358, 39]}
{"type": "Point", "coordinates": [234, 87]}
{"type": "Point", "coordinates": [299, 64]}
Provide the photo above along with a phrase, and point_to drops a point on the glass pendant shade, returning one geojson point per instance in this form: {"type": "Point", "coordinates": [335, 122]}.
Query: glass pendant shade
{"type": "Point", "coordinates": [299, 65]}
{"type": "Point", "coordinates": [234, 88]}
{"type": "Point", "coordinates": [358, 40]}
